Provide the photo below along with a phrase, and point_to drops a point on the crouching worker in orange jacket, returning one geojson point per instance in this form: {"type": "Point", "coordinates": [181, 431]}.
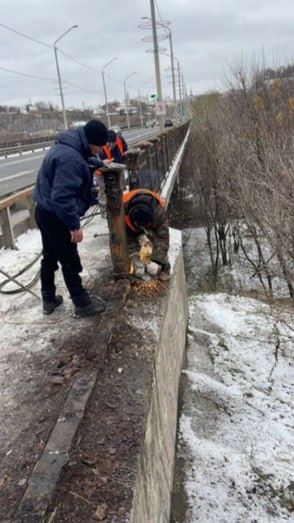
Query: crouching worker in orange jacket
{"type": "Point", "coordinates": [145, 213]}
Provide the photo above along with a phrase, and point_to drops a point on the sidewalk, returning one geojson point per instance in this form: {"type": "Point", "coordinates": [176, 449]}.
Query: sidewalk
{"type": "Point", "coordinates": [42, 357]}
{"type": "Point", "coordinates": [53, 368]}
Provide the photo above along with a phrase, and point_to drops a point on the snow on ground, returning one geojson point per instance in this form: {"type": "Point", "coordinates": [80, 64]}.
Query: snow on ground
{"type": "Point", "coordinates": [236, 432]}
{"type": "Point", "coordinates": [26, 333]}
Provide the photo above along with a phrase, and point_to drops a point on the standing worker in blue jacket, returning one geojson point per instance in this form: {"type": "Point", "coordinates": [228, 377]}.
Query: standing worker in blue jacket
{"type": "Point", "coordinates": [63, 194]}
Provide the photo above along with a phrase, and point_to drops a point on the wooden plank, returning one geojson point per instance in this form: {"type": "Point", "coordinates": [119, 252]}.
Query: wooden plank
{"type": "Point", "coordinates": [13, 198]}
{"type": "Point", "coordinates": [7, 228]}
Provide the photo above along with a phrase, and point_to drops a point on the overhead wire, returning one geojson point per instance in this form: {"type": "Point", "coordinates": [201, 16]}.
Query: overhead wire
{"type": "Point", "coordinates": [89, 218]}
{"type": "Point", "coordinates": [90, 68]}
{"type": "Point", "coordinates": [26, 74]}
{"type": "Point", "coordinates": [25, 36]}
{"type": "Point", "coordinates": [78, 87]}
{"type": "Point", "coordinates": [77, 62]}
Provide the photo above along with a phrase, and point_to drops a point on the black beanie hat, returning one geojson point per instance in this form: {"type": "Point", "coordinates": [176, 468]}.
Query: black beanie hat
{"type": "Point", "coordinates": [111, 137]}
{"type": "Point", "coordinates": [141, 215]}
{"type": "Point", "coordinates": [96, 132]}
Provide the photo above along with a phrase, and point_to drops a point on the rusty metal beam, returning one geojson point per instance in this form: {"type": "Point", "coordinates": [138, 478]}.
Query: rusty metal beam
{"type": "Point", "coordinates": [114, 186]}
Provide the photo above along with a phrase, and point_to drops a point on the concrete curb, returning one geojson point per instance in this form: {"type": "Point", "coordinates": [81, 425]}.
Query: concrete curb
{"type": "Point", "coordinates": [48, 468]}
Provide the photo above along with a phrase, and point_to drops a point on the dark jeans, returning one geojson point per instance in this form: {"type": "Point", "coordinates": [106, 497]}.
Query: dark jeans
{"type": "Point", "coordinates": [57, 247]}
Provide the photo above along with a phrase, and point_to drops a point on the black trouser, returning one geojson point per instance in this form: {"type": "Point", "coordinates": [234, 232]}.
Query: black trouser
{"type": "Point", "coordinates": [57, 247]}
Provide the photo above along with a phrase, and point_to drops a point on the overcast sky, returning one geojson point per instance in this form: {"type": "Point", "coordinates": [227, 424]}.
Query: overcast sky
{"type": "Point", "coordinates": [209, 38]}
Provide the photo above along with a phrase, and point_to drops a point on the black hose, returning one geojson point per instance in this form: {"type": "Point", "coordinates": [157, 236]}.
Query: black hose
{"type": "Point", "coordinates": [27, 287]}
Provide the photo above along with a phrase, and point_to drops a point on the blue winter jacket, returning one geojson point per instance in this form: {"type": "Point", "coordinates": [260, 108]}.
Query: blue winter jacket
{"type": "Point", "coordinates": [64, 182]}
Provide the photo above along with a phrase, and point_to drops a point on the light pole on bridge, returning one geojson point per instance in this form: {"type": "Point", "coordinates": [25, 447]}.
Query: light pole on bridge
{"type": "Point", "coordinates": [126, 97]}
{"type": "Point", "coordinates": [59, 76]}
{"type": "Point", "coordinates": [104, 88]}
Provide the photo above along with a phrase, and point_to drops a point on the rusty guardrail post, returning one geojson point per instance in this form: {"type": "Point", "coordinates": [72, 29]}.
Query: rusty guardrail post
{"type": "Point", "coordinates": [149, 174]}
{"type": "Point", "coordinates": [30, 205]}
{"type": "Point", "coordinates": [169, 146]}
{"type": "Point", "coordinates": [164, 151]}
{"type": "Point", "coordinates": [132, 163]}
{"type": "Point", "coordinates": [7, 228]}
{"type": "Point", "coordinates": [114, 186]}
{"type": "Point", "coordinates": [156, 162]}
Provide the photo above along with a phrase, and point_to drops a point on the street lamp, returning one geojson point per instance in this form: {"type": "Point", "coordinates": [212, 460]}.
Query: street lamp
{"type": "Point", "coordinates": [181, 112]}
{"type": "Point", "coordinates": [157, 65]}
{"type": "Point", "coordinates": [126, 98]}
{"type": "Point", "coordinates": [140, 103]}
{"type": "Point", "coordinates": [172, 68]}
{"type": "Point", "coordinates": [58, 74]}
{"type": "Point", "coordinates": [165, 25]}
{"type": "Point", "coordinates": [104, 88]}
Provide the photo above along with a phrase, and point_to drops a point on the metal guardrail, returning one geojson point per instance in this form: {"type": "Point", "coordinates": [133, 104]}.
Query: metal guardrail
{"type": "Point", "coordinates": [28, 146]}
{"type": "Point", "coordinates": [150, 160]}
{"type": "Point", "coordinates": [9, 229]}
{"type": "Point", "coordinates": [148, 164]}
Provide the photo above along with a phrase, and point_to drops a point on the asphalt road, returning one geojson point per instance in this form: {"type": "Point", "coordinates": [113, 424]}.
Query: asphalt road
{"type": "Point", "coordinates": [18, 172]}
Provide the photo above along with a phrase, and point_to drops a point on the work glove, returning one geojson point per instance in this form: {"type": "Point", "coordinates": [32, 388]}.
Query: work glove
{"type": "Point", "coordinates": [152, 268]}
{"type": "Point", "coordinates": [94, 163]}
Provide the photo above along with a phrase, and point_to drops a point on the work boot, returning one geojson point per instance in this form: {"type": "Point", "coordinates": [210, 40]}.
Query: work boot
{"type": "Point", "coordinates": [165, 273]}
{"type": "Point", "coordinates": [92, 308]}
{"type": "Point", "coordinates": [50, 305]}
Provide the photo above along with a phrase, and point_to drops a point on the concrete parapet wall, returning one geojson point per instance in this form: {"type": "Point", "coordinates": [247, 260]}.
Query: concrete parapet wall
{"type": "Point", "coordinates": [154, 481]}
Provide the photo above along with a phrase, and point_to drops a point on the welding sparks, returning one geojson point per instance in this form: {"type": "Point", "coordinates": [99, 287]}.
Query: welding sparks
{"type": "Point", "coordinates": [148, 288]}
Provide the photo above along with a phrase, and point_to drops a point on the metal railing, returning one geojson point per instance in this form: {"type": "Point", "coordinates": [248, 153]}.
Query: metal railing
{"type": "Point", "coordinates": [148, 164]}
{"type": "Point", "coordinates": [25, 145]}
{"type": "Point", "coordinates": [11, 230]}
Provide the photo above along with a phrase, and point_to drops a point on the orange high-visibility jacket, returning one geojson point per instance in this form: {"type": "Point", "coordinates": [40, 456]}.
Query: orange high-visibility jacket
{"type": "Point", "coordinates": [129, 195]}
{"type": "Point", "coordinates": [107, 149]}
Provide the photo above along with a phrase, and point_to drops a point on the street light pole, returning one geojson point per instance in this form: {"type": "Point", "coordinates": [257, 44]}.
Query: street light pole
{"type": "Point", "coordinates": [180, 90]}
{"type": "Point", "coordinates": [140, 104]}
{"type": "Point", "coordinates": [157, 64]}
{"type": "Point", "coordinates": [172, 69]}
{"type": "Point", "coordinates": [126, 98]}
{"type": "Point", "coordinates": [59, 76]}
{"type": "Point", "coordinates": [104, 88]}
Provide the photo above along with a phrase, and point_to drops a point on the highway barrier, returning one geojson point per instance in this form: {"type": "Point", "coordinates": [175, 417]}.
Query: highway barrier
{"type": "Point", "coordinates": [30, 144]}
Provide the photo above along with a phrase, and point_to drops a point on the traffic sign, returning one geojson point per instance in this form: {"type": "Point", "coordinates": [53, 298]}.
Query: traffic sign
{"type": "Point", "coordinates": [160, 108]}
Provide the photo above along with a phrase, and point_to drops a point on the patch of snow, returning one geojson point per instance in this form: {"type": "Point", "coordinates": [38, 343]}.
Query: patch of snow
{"type": "Point", "coordinates": [236, 431]}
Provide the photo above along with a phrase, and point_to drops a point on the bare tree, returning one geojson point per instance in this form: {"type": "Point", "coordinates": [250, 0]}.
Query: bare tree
{"type": "Point", "coordinates": [242, 157]}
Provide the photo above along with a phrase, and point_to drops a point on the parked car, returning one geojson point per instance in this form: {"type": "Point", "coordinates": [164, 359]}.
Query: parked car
{"type": "Point", "coordinates": [168, 123]}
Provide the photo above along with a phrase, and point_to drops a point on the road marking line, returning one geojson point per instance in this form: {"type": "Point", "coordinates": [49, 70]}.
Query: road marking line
{"type": "Point", "coordinates": [15, 176]}
{"type": "Point", "coordinates": [21, 160]}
